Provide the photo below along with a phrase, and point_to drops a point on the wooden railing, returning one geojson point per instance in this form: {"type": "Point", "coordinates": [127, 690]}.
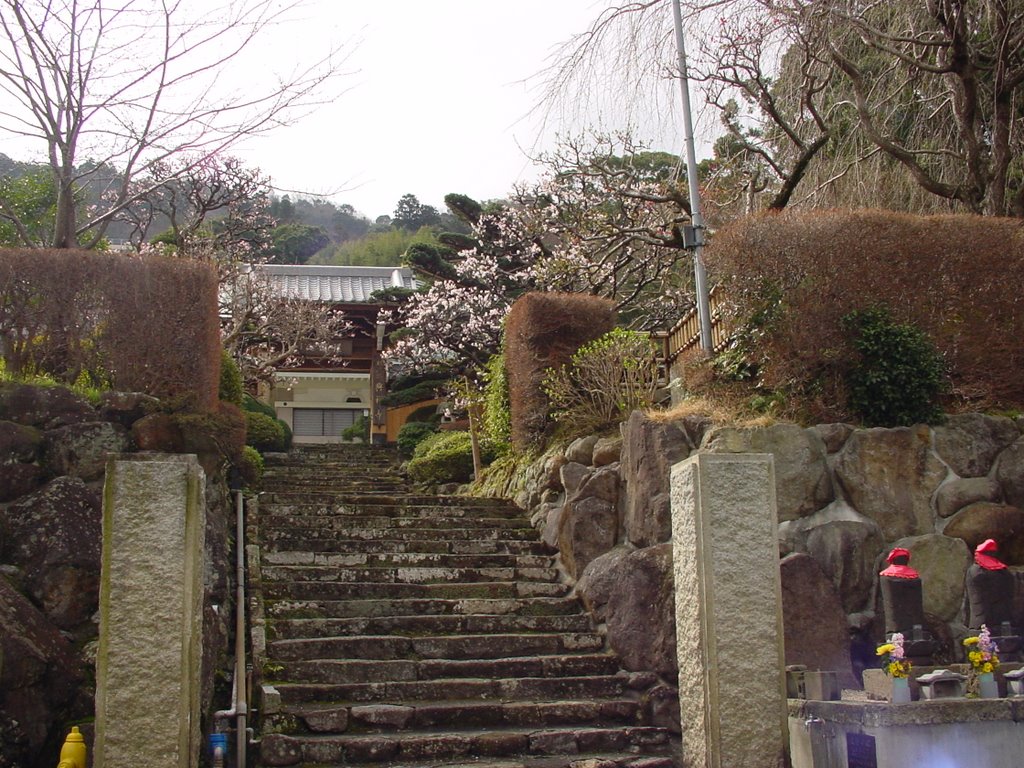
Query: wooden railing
{"type": "Point", "coordinates": [685, 334]}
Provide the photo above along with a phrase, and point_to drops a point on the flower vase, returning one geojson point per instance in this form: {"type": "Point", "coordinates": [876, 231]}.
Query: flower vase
{"type": "Point", "coordinates": [988, 688]}
{"type": "Point", "coordinates": [900, 690]}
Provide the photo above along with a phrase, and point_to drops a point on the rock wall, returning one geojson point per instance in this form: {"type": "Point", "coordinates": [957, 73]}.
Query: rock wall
{"type": "Point", "coordinates": [53, 449]}
{"type": "Point", "coordinates": [846, 496]}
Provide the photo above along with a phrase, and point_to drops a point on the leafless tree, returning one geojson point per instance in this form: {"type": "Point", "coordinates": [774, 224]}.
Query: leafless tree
{"type": "Point", "coordinates": [857, 102]}
{"type": "Point", "coordinates": [130, 85]}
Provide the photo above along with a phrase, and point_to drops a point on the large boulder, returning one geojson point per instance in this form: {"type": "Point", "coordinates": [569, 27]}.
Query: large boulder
{"type": "Point", "coordinates": [19, 442]}
{"type": "Point", "coordinates": [813, 620]}
{"type": "Point", "coordinates": [942, 563]}
{"type": "Point", "coordinates": [581, 450]}
{"type": "Point", "coordinates": [986, 520]}
{"type": "Point", "coordinates": [889, 475]}
{"type": "Point", "coordinates": [125, 408]}
{"type": "Point", "coordinates": [44, 407]}
{"type": "Point", "coordinates": [81, 450]}
{"type": "Point", "coordinates": [970, 442]}
{"type": "Point", "coordinates": [589, 522]}
{"type": "Point", "coordinates": [1009, 472]}
{"type": "Point", "coordinates": [802, 481]}
{"type": "Point", "coordinates": [633, 592]}
{"type": "Point", "coordinates": [649, 449]}
{"type": "Point", "coordinates": [40, 678]}
{"type": "Point", "coordinates": [607, 450]}
{"type": "Point", "coordinates": [53, 535]}
{"type": "Point", "coordinates": [844, 544]}
{"type": "Point", "coordinates": [957, 493]}
{"type": "Point", "coordinates": [17, 480]}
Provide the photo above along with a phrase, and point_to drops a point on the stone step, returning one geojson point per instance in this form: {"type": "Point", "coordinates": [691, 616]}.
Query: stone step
{"type": "Point", "coordinates": [474, 624]}
{"type": "Point", "coordinates": [343, 535]}
{"type": "Point", "coordinates": [289, 541]}
{"type": "Point", "coordinates": [386, 749]}
{"type": "Point", "coordinates": [536, 606]}
{"type": "Point", "coordinates": [316, 509]}
{"type": "Point", "coordinates": [340, 718]}
{"type": "Point", "coordinates": [314, 590]}
{"type": "Point", "coordinates": [416, 746]}
{"type": "Point", "coordinates": [406, 574]}
{"type": "Point", "coordinates": [339, 525]}
{"type": "Point", "coordinates": [331, 671]}
{"type": "Point", "coordinates": [397, 646]}
{"type": "Point", "coordinates": [396, 498]}
{"type": "Point", "coordinates": [406, 559]}
{"type": "Point", "coordinates": [494, 689]}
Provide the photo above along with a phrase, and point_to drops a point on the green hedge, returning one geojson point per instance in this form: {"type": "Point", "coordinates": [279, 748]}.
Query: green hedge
{"type": "Point", "coordinates": [412, 434]}
{"type": "Point", "coordinates": [264, 433]}
{"type": "Point", "coordinates": [444, 457]}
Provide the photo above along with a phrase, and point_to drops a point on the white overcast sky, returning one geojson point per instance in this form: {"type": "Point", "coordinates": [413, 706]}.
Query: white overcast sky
{"type": "Point", "coordinates": [436, 102]}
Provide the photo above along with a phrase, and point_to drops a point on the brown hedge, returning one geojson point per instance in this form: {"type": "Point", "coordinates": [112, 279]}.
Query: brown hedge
{"type": "Point", "coordinates": [543, 330]}
{"type": "Point", "coordinates": [143, 324]}
{"type": "Point", "coordinates": [958, 278]}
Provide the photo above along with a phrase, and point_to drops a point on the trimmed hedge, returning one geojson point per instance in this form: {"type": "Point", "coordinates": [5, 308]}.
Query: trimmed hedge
{"type": "Point", "coordinates": [791, 277]}
{"type": "Point", "coordinates": [146, 324]}
{"type": "Point", "coordinates": [542, 331]}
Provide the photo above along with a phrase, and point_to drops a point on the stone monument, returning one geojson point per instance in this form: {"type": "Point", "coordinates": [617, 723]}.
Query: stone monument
{"type": "Point", "coordinates": [732, 688]}
{"type": "Point", "coordinates": [990, 595]}
{"type": "Point", "coordinates": [151, 588]}
{"type": "Point", "coordinates": [903, 605]}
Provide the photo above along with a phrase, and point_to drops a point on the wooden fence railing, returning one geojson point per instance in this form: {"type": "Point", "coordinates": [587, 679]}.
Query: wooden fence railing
{"type": "Point", "coordinates": [685, 334]}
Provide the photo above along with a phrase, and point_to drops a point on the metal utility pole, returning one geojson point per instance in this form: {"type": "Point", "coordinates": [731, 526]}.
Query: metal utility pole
{"type": "Point", "coordinates": [699, 274]}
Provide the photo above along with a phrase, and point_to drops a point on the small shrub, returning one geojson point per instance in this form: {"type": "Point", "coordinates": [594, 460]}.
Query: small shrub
{"type": "Point", "coordinates": [428, 413]}
{"type": "Point", "coordinates": [250, 467]}
{"type": "Point", "coordinates": [497, 420]}
{"type": "Point", "coordinates": [250, 403]}
{"type": "Point", "coordinates": [604, 381]}
{"type": "Point", "coordinates": [412, 434]}
{"type": "Point", "coordinates": [230, 388]}
{"type": "Point", "coordinates": [424, 390]}
{"type": "Point", "coordinates": [445, 457]}
{"type": "Point", "coordinates": [360, 430]}
{"type": "Point", "coordinates": [899, 374]}
{"type": "Point", "coordinates": [264, 433]}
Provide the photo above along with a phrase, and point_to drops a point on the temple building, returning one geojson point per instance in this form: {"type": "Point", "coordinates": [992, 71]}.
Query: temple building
{"type": "Point", "coordinates": [319, 398]}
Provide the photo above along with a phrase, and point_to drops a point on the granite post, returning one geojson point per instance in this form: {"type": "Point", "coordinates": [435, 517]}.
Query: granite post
{"type": "Point", "coordinates": [151, 588]}
{"type": "Point", "coordinates": [732, 689]}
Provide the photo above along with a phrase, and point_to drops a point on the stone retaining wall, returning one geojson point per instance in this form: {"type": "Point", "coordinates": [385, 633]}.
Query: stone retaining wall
{"type": "Point", "coordinates": [845, 497]}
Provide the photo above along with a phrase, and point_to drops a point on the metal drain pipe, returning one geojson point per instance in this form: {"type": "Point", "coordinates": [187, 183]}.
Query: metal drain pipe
{"type": "Point", "coordinates": [239, 709]}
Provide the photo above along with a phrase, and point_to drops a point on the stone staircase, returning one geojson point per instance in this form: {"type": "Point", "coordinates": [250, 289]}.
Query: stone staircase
{"type": "Point", "coordinates": [412, 630]}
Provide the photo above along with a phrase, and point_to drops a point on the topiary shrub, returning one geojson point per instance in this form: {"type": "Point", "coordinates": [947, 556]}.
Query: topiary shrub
{"type": "Point", "coordinates": [250, 467]}
{"type": "Point", "coordinates": [264, 433]}
{"type": "Point", "coordinates": [412, 434]}
{"type": "Point", "coordinates": [250, 403]}
{"type": "Point", "coordinates": [230, 389]}
{"type": "Point", "coordinates": [898, 376]}
{"type": "Point", "coordinates": [427, 413]}
{"type": "Point", "coordinates": [445, 457]}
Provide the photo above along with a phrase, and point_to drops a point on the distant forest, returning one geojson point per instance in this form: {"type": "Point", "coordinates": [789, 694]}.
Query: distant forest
{"type": "Point", "coordinates": [307, 230]}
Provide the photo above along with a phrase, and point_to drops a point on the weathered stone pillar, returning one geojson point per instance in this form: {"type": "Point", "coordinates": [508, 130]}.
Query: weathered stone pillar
{"type": "Point", "coordinates": [728, 611]}
{"type": "Point", "coordinates": [151, 589]}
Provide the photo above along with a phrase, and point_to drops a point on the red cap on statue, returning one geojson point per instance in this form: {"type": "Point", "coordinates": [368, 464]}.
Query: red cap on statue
{"type": "Point", "coordinates": [986, 555]}
{"type": "Point", "coordinates": [898, 561]}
